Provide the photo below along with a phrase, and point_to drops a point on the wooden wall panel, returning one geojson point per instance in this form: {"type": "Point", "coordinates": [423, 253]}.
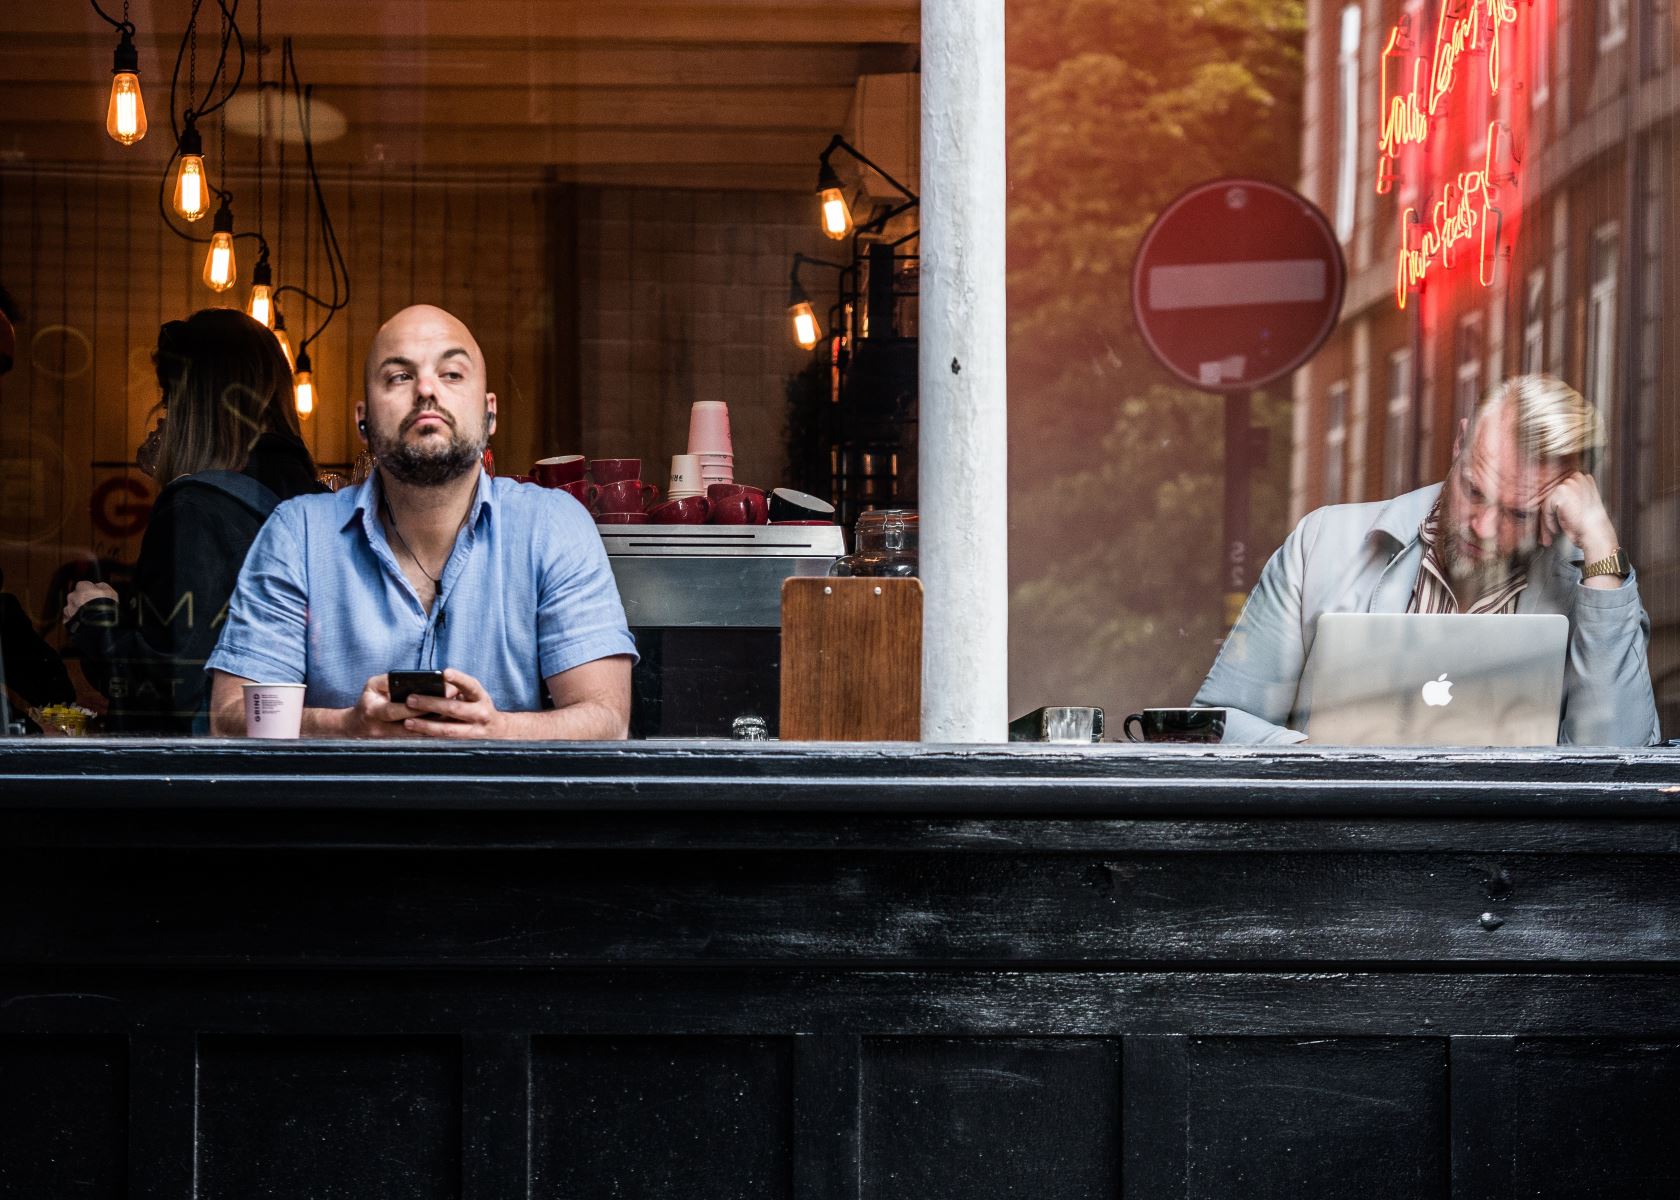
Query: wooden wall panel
{"type": "Point", "coordinates": [1591, 1110]}
{"type": "Point", "coordinates": [323, 1117]}
{"type": "Point", "coordinates": [63, 1116]}
{"type": "Point", "coordinates": [662, 1117]}
{"type": "Point", "coordinates": [1316, 1117]}
{"type": "Point", "coordinates": [980, 1117]}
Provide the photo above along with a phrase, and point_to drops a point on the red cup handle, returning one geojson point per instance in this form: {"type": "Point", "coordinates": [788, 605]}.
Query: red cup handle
{"type": "Point", "coordinates": [650, 494]}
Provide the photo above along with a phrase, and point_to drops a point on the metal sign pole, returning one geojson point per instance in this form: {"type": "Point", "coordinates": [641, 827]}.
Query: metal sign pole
{"type": "Point", "coordinates": [1236, 284]}
{"type": "Point", "coordinates": [1237, 576]}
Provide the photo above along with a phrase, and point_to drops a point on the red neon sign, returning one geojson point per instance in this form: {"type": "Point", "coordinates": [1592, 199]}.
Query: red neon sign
{"type": "Point", "coordinates": [1464, 211]}
{"type": "Point", "coordinates": [1417, 90]}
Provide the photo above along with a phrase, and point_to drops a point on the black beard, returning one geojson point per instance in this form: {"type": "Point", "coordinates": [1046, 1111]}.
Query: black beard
{"type": "Point", "coordinates": [425, 466]}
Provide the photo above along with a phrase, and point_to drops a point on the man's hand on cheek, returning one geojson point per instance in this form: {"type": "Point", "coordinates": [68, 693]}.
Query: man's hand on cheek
{"type": "Point", "coordinates": [466, 711]}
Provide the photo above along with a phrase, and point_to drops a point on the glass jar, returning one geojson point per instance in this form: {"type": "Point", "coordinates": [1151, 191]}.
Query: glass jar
{"type": "Point", "coordinates": [885, 542]}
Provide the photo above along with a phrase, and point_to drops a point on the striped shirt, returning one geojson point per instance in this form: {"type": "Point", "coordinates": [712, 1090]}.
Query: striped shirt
{"type": "Point", "coordinates": [1433, 593]}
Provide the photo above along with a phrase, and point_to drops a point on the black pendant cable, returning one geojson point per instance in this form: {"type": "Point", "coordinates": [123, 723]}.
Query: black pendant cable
{"type": "Point", "coordinates": [280, 218]}
{"type": "Point", "coordinates": [125, 113]}
{"type": "Point", "coordinates": [336, 268]}
{"type": "Point", "coordinates": [218, 90]}
{"type": "Point", "coordinates": [338, 271]}
{"type": "Point", "coordinates": [260, 305]}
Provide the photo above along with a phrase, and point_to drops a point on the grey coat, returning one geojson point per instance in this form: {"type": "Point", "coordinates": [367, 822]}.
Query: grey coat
{"type": "Point", "coordinates": [1365, 558]}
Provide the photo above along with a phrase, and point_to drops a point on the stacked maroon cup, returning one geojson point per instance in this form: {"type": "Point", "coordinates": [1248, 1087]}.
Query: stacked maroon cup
{"type": "Point", "coordinates": [621, 495]}
{"type": "Point", "coordinates": [614, 493]}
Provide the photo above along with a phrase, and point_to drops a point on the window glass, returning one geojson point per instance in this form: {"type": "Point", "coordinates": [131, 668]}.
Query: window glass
{"type": "Point", "coordinates": [622, 214]}
{"type": "Point", "coordinates": [1612, 23]}
{"type": "Point", "coordinates": [1600, 368]}
{"type": "Point", "coordinates": [1534, 323]}
{"type": "Point", "coordinates": [1397, 473]}
{"type": "Point", "coordinates": [1512, 226]}
{"type": "Point", "coordinates": [1347, 144]}
{"type": "Point", "coordinates": [716, 205]}
{"type": "Point", "coordinates": [1467, 365]}
{"type": "Point", "coordinates": [1335, 442]}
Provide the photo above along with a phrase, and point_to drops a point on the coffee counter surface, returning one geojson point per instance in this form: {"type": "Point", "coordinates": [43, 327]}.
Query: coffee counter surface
{"type": "Point", "coordinates": [804, 777]}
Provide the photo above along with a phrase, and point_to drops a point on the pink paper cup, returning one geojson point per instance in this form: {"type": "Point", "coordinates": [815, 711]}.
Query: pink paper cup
{"type": "Point", "coordinates": [273, 710]}
{"type": "Point", "coordinates": [708, 428]}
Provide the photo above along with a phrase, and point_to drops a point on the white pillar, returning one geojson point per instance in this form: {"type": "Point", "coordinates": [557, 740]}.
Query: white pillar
{"type": "Point", "coordinates": [963, 482]}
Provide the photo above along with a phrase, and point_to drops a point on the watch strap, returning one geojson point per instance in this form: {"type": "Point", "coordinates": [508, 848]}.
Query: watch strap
{"type": "Point", "coordinates": [1615, 564]}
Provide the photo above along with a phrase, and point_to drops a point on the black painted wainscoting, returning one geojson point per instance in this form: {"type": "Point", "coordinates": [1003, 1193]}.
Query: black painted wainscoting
{"type": "Point", "coordinates": [703, 970]}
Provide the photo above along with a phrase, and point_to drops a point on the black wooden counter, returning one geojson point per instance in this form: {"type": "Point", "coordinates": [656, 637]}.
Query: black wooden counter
{"type": "Point", "coordinates": [705, 970]}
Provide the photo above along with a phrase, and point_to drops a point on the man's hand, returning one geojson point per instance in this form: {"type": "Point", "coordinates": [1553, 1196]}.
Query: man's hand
{"type": "Point", "coordinates": [1575, 509]}
{"type": "Point", "coordinates": [464, 711]}
{"type": "Point", "coordinates": [375, 715]}
{"type": "Point", "coordinates": [85, 591]}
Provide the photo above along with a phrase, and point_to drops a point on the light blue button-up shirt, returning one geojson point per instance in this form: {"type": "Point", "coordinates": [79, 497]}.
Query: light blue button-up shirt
{"type": "Point", "coordinates": [527, 593]}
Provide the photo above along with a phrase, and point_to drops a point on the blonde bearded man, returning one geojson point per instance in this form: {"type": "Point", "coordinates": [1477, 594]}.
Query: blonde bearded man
{"type": "Point", "coordinates": [1517, 526]}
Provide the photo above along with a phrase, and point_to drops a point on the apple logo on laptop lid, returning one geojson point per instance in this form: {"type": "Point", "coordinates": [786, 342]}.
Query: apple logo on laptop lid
{"type": "Point", "coordinates": [1437, 693]}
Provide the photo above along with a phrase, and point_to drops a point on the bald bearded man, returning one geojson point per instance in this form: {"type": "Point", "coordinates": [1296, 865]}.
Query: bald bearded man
{"type": "Point", "coordinates": [430, 564]}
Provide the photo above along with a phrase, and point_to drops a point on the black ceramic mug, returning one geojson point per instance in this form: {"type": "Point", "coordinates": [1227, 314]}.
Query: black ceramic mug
{"type": "Point", "coordinates": [1203, 725]}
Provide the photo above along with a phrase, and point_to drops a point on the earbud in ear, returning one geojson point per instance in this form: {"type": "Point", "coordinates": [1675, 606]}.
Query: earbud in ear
{"type": "Point", "coordinates": [492, 420]}
{"type": "Point", "coordinates": [361, 428]}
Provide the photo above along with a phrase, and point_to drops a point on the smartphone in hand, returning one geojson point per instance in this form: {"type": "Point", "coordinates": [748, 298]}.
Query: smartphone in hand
{"type": "Point", "coordinates": [404, 684]}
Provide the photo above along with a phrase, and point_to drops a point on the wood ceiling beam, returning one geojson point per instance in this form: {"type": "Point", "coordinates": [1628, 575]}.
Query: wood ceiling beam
{"type": "Point", "coordinates": [418, 64]}
{"type": "Point", "coordinates": [795, 21]}
{"type": "Point", "coordinates": [707, 176]}
{"type": "Point", "coordinates": [812, 110]}
{"type": "Point", "coordinates": [84, 141]}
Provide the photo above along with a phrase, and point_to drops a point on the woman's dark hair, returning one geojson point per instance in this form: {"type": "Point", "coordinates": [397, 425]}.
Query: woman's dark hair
{"type": "Point", "coordinates": [225, 384]}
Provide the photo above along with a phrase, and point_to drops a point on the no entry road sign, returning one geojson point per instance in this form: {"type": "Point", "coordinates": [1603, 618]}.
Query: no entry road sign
{"type": "Point", "coordinates": [1237, 283]}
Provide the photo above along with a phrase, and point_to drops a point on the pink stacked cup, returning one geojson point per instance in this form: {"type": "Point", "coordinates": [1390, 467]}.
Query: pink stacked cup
{"type": "Point", "coordinates": [709, 441]}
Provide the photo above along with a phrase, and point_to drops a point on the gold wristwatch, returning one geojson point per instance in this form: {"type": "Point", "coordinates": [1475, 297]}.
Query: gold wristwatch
{"type": "Point", "coordinates": [1616, 564]}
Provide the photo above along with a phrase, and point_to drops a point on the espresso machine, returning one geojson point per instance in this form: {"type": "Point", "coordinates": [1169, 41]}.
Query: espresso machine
{"type": "Point", "coordinates": [705, 605]}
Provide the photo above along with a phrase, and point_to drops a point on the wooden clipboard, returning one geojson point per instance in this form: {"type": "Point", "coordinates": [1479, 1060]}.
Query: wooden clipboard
{"type": "Point", "coordinates": [851, 660]}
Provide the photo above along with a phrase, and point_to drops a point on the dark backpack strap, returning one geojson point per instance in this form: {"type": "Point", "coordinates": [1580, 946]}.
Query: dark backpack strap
{"type": "Point", "coordinates": [252, 494]}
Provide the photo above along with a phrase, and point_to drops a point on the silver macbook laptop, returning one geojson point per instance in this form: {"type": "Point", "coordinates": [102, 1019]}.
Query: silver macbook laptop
{"type": "Point", "coordinates": [1376, 679]}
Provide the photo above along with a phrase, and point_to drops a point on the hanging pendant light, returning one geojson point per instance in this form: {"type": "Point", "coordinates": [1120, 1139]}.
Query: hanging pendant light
{"type": "Point", "coordinates": [125, 115]}
{"type": "Point", "coordinates": [192, 190]}
{"type": "Point", "coordinates": [260, 307]}
{"type": "Point", "coordinates": [285, 342]}
{"type": "Point", "coordinates": [303, 386]}
{"type": "Point", "coordinates": [221, 269]}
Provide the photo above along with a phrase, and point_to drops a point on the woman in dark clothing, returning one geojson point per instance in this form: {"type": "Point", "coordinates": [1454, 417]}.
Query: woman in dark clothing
{"type": "Point", "coordinates": [230, 452]}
